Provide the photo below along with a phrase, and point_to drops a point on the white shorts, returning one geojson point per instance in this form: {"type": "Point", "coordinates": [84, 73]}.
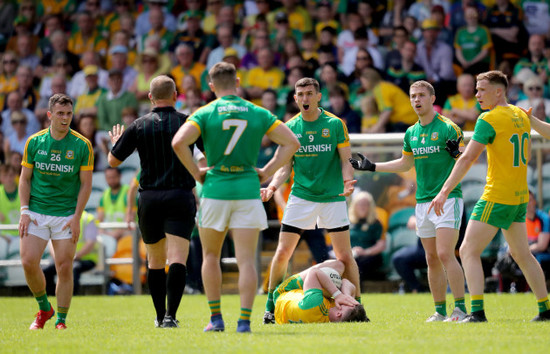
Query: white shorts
{"type": "Point", "coordinates": [233, 214]}
{"type": "Point", "coordinates": [49, 227]}
{"type": "Point", "coordinates": [304, 214]}
{"type": "Point", "coordinates": [426, 224]}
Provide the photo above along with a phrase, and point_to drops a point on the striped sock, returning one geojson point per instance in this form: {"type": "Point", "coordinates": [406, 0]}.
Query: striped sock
{"type": "Point", "coordinates": [42, 300]}
{"type": "Point", "coordinates": [477, 302]}
{"type": "Point", "coordinates": [460, 303]}
{"type": "Point", "coordinates": [544, 304]}
{"type": "Point", "coordinates": [61, 314]}
{"type": "Point", "coordinates": [245, 314]}
{"type": "Point", "coordinates": [215, 308]}
{"type": "Point", "coordinates": [441, 307]}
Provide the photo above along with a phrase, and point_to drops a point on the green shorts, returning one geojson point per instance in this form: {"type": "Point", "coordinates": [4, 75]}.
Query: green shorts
{"type": "Point", "coordinates": [293, 282]}
{"type": "Point", "coordinates": [498, 215]}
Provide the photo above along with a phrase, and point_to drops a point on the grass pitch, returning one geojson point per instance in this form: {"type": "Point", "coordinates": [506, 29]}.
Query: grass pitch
{"type": "Point", "coordinates": [102, 324]}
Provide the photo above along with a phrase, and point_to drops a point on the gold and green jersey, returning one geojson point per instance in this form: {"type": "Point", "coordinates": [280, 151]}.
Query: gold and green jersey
{"type": "Point", "coordinates": [506, 132]}
{"type": "Point", "coordinates": [317, 165]}
{"type": "Point", "coordinates": [472, 43]}
{"type": "Point", "coordinates": [432, 162]}
{"type": "Point", "coordinates": [56, 165]}
{"type": "Point", "coordinates": [299, 306]}
{"type": "Point", "coordinates": [114, 205]}
{"type": "Point", "coordinates": [232, 130]}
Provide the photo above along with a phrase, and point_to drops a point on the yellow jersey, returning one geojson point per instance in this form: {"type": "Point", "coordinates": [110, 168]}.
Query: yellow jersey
{"type": "Point", "coordinates": [506, 132]}
{"type": "Point", "coordinates": [297, 306]}
{"type": "Point", "coordinates": [390, 96]}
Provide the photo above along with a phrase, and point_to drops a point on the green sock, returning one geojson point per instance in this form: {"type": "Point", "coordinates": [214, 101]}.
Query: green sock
{"type": "Point", "coordinates": [544, 304]}
{"type": "Point", "coordinates": [61, 314]}
{"type": "Point", "coordinates": [461, 304]}
{"type": "Point", "coordinates": [441, 307]}
{"type": "Point", "coordinates": [245, 314]}
{"type": "Point", "coordinates": [477, 302]}
{"type": "Point", "coordinates": [270, 305]}
{"type": "Point", "coordinates": [215, 308]}
{"type": "Point", "coordinates": [358, 298]}
{"type": "Point", "coordinates": [42, 300]}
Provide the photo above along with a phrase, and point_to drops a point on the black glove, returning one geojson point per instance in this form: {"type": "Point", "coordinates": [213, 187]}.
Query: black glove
{"type": "Point", "coordinates": [364, 164]}
{"type": "Point", "coordinates": [453, 147]}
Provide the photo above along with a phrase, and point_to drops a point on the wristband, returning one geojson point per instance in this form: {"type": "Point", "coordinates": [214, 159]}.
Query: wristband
{"type": "Point", "coordinates": [26, 212]}
{"type": "Point", "coordinates": [272, 188]}
{"type": "Point", "coordinates": [24, 207]}
{"type": "Point", "coordinates": [336, 293]}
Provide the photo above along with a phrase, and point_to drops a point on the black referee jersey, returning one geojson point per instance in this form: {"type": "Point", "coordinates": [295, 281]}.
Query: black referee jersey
{"type": "Point", "coordinates": [152, 135]}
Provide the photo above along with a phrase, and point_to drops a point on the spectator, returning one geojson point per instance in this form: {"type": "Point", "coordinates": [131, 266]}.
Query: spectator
{"type": "Point", "coordinates": [210, 21]}
{"type": "Point", "coordinates": [87, 101]}
{"type": "Point", "coordinates": [260, 39]}
{"type": "Point", "coordinates": [119, 60]}
{"type": "Point", "coordinates": [399, 36]}
{"type": "Point", "coordinates": [534, 89]}
{"type": "Point", "coordinates": [143, 25]}
{"type": "Point", "coordinates": [407, 71]}
{"type": "Point", "coordinates": [282, 31]}
{"type": "Point", "coordinates": [421, 10]}
{"type": "Point", "coordinates": [78, 85]}
{"type": "Point", "coordinates": [194, 35]}
{"type": "Point", "coordinates": [87, 126]}
{"type": "Point", "coordinates": [87, 37]}
{"type": "Point", "coordinates": [264, 76]}
{"type": "Point", "coordinates": [129, 115]}
{"type": "Point", "coordinates": [14, 102]}
{"type": "Point", "coordinates": [113, 203]}
{"type": "Point", "coordinates": [507, 31]}
{"type": "Point", "coordinates": [438, 15]}
{"type": "Point", "coordinates": [7, 14]}
{"type": "Point", "coordinates": [149, 68]}
{"type": "Point", "coordinates": [26, 50]}
{"type": "Point", "coordinates": [59, 45]}
{"type": "Point", "coordinates": [121, 38]}
{"type": "Point", "coordinates": [473, 44]}
{"type": "Point", "coordinates": [347, 64]}
{"type": "Point", "coordinates": [111, 22]}
{"type": "Point", "coordinates": [8, 80]}
{"type": "Point", "coordinates": [25, 87]}
{"type": "Point", "coordinates": [463, 108]}
{"type": "Point", "coordinates": [52, 24]}
{"type": "Point", "coordinates": [50, 86]}
{"type": "Point", "coordinates": [9, 200]}
{"type": "Point", "coordinates": [366, 235]}
{"type": "Point", "coordinates": [16, 140]}
{"type": "Point", "coordinates": [330, 77]}
{"type": "Point", "coordinates": [186, 66]}
{"type": "Point", "coordinates": [325, 18]}
{"type": "Point", "coordinates": [226, 40]}
{"type": "Point", "coordinates": [362, 62]}
{"type": "Point", "coordinates": [27, 9]}
{"type": "Point", "coordinates": [392, 19]}
{"type": "Point", "coordinates": [86, 256]}
{"type": "Point", "coordinates": [537, 17]}
{"type": "Point", "coordinates": [110, 106]}
{"type": "Point", "coordinates": [396, 112]}
{"type": "Point", "coordinates": [535, 59]}
{"type": "Point", "coordinates": [298, 17]}
{"type": "Point", "coordinates": [156, 19]}
{"type": "Point", "coordinates": [340, 107]}
{"type": "Point", "coordinates": [60, 67]}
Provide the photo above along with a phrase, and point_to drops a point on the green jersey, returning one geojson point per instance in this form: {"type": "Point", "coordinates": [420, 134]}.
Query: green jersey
{"type": "Point", "coordinates": [317, 164]}
{"type": "Point", "coordinates": [56, 166]}
{"type": "Point", "coordinates": [432, 162]}
{"type": "Point", "coordinates": [232, 130]}
{"type": "Point", "coordinates": [472, 43]}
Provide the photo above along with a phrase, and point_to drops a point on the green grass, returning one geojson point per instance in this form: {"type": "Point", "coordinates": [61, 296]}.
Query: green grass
{"type": "Point", "coordinates": [125, 324]}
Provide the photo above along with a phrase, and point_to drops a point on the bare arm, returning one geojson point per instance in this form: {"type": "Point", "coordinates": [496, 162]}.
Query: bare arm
{"type": "Point", "coordinates": [317, 279]}
{"type": "Point", "coordinates": [347, 287]}
{"type": "Point", "coordinates": [383, 119]}
{"type": "Point", "coordinates": [541, 127]}
{"type": "Point", "coordinates": [187, 135]}
{"type": "Point", "coordinates": [509, 34]}
{"type": "Point", "coordinates": [288, 145]}
{"type": "Point", "coordinates": [280, 177]}
{"type": "Point", "coordinates": [403, 164]}
{"type": "Point", "coordinates": [463, 164]}
{"type": "Point", "coordinates": [378, 248]}
{"type": "Point", "coordinates": [542, 243]}
{"type": "Point", "coordinates": [347, 170]}
{"type": "Point", "coordinates": [24, 197]}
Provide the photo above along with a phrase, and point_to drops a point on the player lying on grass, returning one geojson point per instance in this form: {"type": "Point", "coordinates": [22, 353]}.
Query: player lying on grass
{"type": "Point", "coordinates": [312, 297]}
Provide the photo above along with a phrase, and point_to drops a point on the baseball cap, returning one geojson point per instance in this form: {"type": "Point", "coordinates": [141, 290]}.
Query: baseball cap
{"type": "Point", "coordinates": [429, 24]}
{"type": "Point", "coordinates": [114, 72]}
{"type": "Point", "coordinates": [90, 70]}
{"type": "Point", "coordinates": [230, 52]}
{"type": "Point", "coordinates": [118, 49]}
{"type": "Point", "coordinates": [281, 17]}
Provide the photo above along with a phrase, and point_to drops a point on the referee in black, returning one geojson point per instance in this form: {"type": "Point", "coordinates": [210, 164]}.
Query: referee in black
{"type": "Point", "coordinates": [166, 204]}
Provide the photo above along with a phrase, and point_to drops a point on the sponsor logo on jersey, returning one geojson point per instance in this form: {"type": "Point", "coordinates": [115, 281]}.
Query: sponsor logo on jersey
{"type": "Point", "coordinates": [325, 133]}
{"type": "Point", "coordinates": [298, 135]}
{"type": "Point", "coordinates": [414, 138]}
{"type": "Point", "coordinates": [42, 152]}
{"type": "Point", "coordinates": [434, 136]}
{"type": "Point", "coordinates": [69, 155]}
{"type": "Point", "coordinates": [232, 108]}
{"type": "Point", "coordinates": [52, 167]}
{"type": "Point", "coordinates": [425, 150]}
{"type": "Point", "coordinates": [315, 148]}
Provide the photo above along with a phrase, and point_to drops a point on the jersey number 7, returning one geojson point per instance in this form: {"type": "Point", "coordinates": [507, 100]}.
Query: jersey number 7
{"type": "Point", "coordinates": [240, 126]}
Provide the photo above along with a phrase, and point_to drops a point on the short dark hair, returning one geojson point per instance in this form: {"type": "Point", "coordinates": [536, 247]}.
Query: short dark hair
{"type": "Point", "coordinates": [223, 75]}
{"type": "Point", "coordinates": [307, 81]}
{"type": "Point", "coordinates": [357, 314]}
{"type": "Point", "coordinates": [60, 99]}
{"type": "Point", "coordinates": [109, 168]}
{"type": "Point", "coordinates": [495, 77]}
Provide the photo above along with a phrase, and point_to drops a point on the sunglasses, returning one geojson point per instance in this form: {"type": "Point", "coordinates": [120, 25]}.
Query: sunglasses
{"type": "Point", "coordinates": [19, 122]}
{"type": "Point", "coordinates": [9, 61]}
{"type": "Point", "coordinates": [363, 58]}
{"type": "Point", "coordinates": [149, 60]}
{"type": "Point", "coordinates": [535, 88]}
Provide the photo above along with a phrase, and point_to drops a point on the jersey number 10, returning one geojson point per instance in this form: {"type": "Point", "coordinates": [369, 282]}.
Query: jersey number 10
{"type": "Point", "coordinates": [519, 148]}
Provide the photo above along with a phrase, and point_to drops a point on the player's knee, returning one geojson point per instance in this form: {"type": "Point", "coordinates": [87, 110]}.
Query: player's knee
{"type": "Point", "coordinates": [64, 268]}
{"type": "Point", "coordinates": [432, 258]}
{"type": "Point", "coordinates": [445, 256]}
{"type": "Point", "coordinates": [30, 264]}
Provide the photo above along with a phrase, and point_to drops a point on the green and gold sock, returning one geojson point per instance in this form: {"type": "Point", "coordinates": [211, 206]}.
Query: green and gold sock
{"type": "Point", "coordinates": [441, 307]}
{"type": "Point", "coordinates": [270, 305]}
{"type": "Point", "coordinates": [61, 314]}
{"type": "Point", "coordinates": [42, 300]}
{"type": "Point", "coordinates": [245, 314]}
{"type": "Point", "coordinates": [544, 304]}
{"type": "Point", "coordinates": [460, 303]}
{"type": "Point", "coordinates": [358, 298]}
{"type": "Point", "coordinates": [477, 302]}
{"type": "Point", "coordinates": [215, 308]}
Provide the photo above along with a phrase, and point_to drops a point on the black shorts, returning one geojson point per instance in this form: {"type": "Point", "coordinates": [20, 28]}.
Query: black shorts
{"type": "Point", "coordinates": [166, 211]}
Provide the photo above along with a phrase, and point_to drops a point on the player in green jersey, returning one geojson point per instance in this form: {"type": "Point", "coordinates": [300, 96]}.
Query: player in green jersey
{"type": "Point", "coordinates": [231, 129]}
{"type": "Point", "coordinates": [322, 180]}
{"type": "Point", "coordinates": [431, 146]}
{"type": "Point", "coordinates": [504, 130]}
{"type": "Point", "coordinates": [54, 187]}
